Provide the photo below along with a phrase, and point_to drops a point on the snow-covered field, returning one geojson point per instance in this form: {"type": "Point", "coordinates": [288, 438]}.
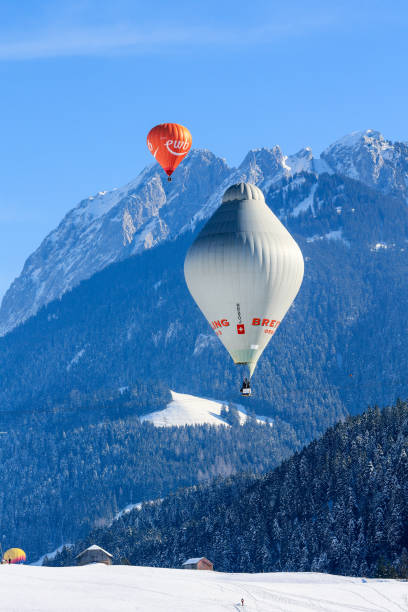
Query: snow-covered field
{"type": "Point", "coordinates": [192, 410]}
{"type": "Point", "coordinates": [98, 588]}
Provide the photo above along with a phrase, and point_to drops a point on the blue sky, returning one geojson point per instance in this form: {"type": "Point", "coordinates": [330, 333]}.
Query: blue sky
{"type": "Point", "coordinates": [81, 83]}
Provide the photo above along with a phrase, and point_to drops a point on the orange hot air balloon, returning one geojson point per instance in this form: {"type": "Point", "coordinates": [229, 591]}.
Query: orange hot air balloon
{"type": "Point", "coordinates": [169, 143]}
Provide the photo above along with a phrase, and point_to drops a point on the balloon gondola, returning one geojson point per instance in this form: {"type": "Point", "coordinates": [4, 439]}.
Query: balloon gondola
{"type": "Point", "coordinates": [246, 388]}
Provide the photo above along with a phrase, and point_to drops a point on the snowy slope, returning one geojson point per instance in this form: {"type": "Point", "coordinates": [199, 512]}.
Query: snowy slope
{"type": "Point", "coordinates": [99, 588]}
{"type": "Point", "coordinates": [191, 410]}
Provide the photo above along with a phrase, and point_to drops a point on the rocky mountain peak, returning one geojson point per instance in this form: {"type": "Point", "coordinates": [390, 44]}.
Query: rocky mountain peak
{"type": "Point", "coordinates": [302, 161]}
{"type": "Point", "coordinates": [369, 157]}
{"type": "Point", "coordinates": [263, 163]}
{"type": "Point", "coordinates": [108, 227]}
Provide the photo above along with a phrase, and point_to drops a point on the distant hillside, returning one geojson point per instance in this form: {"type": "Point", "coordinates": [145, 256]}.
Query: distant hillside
{"type": "Point", "coordinates": [339, 506]}
{"type": "Point", "coordinates": [69, 468]}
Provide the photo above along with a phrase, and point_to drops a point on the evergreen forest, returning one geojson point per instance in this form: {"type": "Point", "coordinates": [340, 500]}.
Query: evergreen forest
{"type": "Point", "coordinates": [340, 506]}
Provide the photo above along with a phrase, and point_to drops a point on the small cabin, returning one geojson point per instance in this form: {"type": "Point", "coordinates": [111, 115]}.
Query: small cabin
{"type": "Point", "coordinates": [94, 554]}
{"type": "Point", "coordinates": [198, 563]}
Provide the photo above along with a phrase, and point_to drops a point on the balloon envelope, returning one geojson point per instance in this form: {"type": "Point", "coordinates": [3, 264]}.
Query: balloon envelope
{"type": "Point", "coordinates": [15, 555]}
{"type": "Point", "coordinates": [244, 270]}
{"type": "Point", "coordinates": [169, 143]}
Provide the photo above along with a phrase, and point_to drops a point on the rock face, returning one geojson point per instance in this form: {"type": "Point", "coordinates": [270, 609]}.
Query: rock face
{"type": "Point", "coordinates": [112, 226]}
{"type": "Point", "coordinates": [109, 227]}
{"type": "Point", "coordinates": [372, 159]}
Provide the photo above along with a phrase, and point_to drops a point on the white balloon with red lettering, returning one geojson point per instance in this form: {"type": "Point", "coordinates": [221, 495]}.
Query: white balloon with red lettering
{"type": "Point", "coordinates": [244, 270]}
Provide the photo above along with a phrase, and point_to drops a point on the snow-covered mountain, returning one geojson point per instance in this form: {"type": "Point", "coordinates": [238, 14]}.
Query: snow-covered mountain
{"type": "Point", "coordinates": [108, 227]}
{"type": "Point", "coordinates": [372, 159]}
{"type": "Point", "coordinates": [114, 225]}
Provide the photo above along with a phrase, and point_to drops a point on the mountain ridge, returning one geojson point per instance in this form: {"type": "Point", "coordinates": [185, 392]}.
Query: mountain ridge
{"type": "Point", "coordinates": [114, 225]}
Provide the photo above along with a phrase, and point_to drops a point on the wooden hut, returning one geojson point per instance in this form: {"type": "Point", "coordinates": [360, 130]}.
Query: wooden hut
{"type": "Point", "coordinates": [94, 554]}
{"type": "Point", "coordinates": [198, 563]}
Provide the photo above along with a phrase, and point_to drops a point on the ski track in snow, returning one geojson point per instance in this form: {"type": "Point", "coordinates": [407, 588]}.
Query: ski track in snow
{"type": "Point", "coordinates": [98, 588]}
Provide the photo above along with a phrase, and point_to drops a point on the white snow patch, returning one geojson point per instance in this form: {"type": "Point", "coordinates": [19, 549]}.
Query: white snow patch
{"type": "Point", "coordinates": [333, 235]}
{"type": "Point", "coordinates": [98, 205]}
{"type": "Point", "coordinates": [191, 410]}
{"type": "Point", "coordinates": [203, 342]}
{"type": "Point", "coordinates": [284, 164]}
{"type": "Point", "coordinates": [320, 166]}
{"type": "Point", "coordinates": [305, 204]}
{"type": "Point", "coordinates": [156, 337]}
{"type": "Point", "coordinates": [101, 588]}
{"type": "Point", "coordinates": [126, 510]}
{"type": "Point", "coordinates": [350, 140]}
{"type": "Point", "coordinates": [146, 236]}
{"type": "Point", "coordinates": [300, 162]}
{"type": "Point", "coordinates": [75, 359]}
{"type": "Point", "coordinates": [380, 246]}
{"type": "Point", "coordinates": [137, 506]}
{"type": "Point", "coordinates": [172, 330]}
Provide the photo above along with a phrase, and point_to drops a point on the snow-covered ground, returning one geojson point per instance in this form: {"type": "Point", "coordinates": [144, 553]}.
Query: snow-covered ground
{"type": "Point", "coordinates": [191, 410]}
{"type": "Point", "coordinates": [99, 588]}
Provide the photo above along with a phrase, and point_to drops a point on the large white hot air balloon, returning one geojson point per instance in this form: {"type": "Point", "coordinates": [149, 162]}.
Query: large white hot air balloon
{"type": "Point", "coordinates": [244, 270]}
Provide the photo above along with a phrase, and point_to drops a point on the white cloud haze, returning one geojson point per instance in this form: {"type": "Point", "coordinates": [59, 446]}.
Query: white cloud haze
{"type": "Point", "coordinates": [83, 41]}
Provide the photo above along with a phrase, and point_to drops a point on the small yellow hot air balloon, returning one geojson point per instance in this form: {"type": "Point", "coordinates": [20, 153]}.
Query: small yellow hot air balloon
{"type": "Point", "coordinates": [14, 555]}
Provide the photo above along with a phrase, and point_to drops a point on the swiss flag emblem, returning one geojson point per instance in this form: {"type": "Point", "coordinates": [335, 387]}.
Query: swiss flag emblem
{"type": "Point", "coordinates": [241, 329]}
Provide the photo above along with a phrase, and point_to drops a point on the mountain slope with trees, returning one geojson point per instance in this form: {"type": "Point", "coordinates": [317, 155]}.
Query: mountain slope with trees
{"type": "Point", "coordinates": [337, 350]}
{"type": "Point", "coordinates": [65, 471]}
{"type": "Point", "coordinates": [339, 506]}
